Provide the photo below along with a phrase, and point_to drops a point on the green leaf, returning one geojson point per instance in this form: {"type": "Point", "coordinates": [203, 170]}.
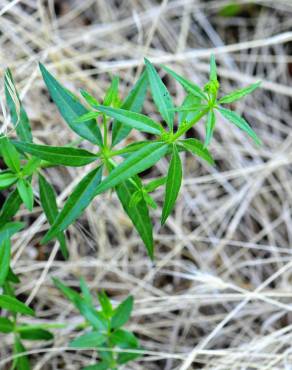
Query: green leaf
{"type": "Point", "coordinates": [18, 115]}
{"type": "Point", "coordinates": [112, 94]}
{"type": "Point", "coordinates": [213, 68]}
{"type": "Point", "coordinates": [28, 333]}
{"type": "Point", "coordinates": [10, 228]}
{"type": "Point", "coordinates": [134, 164]}
{"type": "Point", "coordinates": [7, 179]}
{"type": "Point", "coordinates": [173, 184]}
{"type": "Point", "coordinates": [105, 303]}
{"type": "Point", "coordinates": [88, 340]}
{"type": "Point", "coordinates": [196, 147]}
{"type": "Point", "coordinates": [89, 98]}
{"type": "Point", "coordinates": [138, 214]}
{"type": "Point", "coordinates": [70, 109]}
{"type": "Point", "coordinates": [14, 305]}
{"type": "Point", "coordinates": [133, 119]}
{"type": "Point", "coordinates": [133, 147]}
{"type": "Point", "coordinates": [154, 184]}
{"type": "Point", "coordinates": [10, 207]}
{"type": "Point", "coordinates": [49, 205]}
{"type": "Point", "coordinates": [76, 203]}
{"type": "Point", "coordinates": [231, 10]}
{"type": "Point", "coordinates": [136, 197]}
{"type": "Point", "coordinates": [20, 362]}
{"type": "Point", "coordinates": [85, 291]}
{"type": "Point", "coordinates": [100, 366]}
{"type": "Point", "coordinates": [160, 94]}
{"type": "Point", "coordinates": [188, 109]}
{"type": "Point", "coordinates": [238, 94]}
{"type": "Point", "coordinates": [58, 155]}
{"type": "Point", "coordinates": [12, 277]}
{"type": "Point", "coordinates": [10, 154]}
{"type": "Point", "coordinates": [123, 358]}
{"type": "Point", "coordinates": [239, 122]}
{"type": "Point", "coordinates": [68, 292]}
{"type": "Point", "coordinates": [124, 339]}
{"type": "Point", "coordinates": [26, 193]}
{"type": "Point", "coordinates": [6, 325]}
{"type": "Point", "coordinates": [133, 102]}
{"type": "Point", "coordinates": [96, 319]}
{"type": "Point", "coordinates": [31, 167]}
{"type": "Point", "coordinates": [92, 316]}
{"type": "Point", "coordinates": [5, 250]}
{"type": "Point", "coordinates": [186, 84]}
{"type": "Point", "coordinates": [122, 313]}
{"type": "Point", "coordinates": [149, 200]}
{"type": "Point", "coordinates": [210, 127]}
{"type": "Point", "coordinates": [87, 117]}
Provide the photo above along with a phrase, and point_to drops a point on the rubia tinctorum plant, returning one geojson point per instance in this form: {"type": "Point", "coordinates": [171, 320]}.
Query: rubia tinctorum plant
{"type": "Point", "coordinates": [116, 167]}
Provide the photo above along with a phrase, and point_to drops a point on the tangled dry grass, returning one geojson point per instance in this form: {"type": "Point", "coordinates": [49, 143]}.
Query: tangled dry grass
{"type": "Point", "coordinates": [219, 295]}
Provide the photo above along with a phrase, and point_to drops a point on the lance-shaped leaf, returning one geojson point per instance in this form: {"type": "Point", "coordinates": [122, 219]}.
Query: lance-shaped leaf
{"type": "Point", "coordinates": [239, 122]}
{"type": "Point", "coordinates": [160, 94]}
{"type": "Point", "coordinates": [134, 164]}
{"type": "Point", "coordinates": [122, 313]}
{"type": "Point", "coordinates": [5, 248]}
{"type": "Point", "coordinates": [6, 325]}
{"type": "Point", "coordinates": [14, 305]}
{"type": "Point", "coordinates": [18, 115]}
{"type": "Point", "coordinates": [71, 108]}
{"type": "Point", "coordinates": [154, 184]}
{"type": "Point", "coordinates": [95, 318]}
{"type": "Point", "coordinates": [173, 184]}
{"type": "Point", "coordinates": [213, 68]}
{"type": "Point", "coordinates": [10, 207]}
{"type": "Point", "coordinates": [87, 116]}
{"type": "Point", "coordinates": [133, 119]}
{"type": "Point", "coordinates": [76, 203]}
{"type": "Point", "coordinates": [138, 213]}
{"type": "Point", "coordinates": [25, 192]}
{"type": "Point", "coordinates": [189, 108]}
{"type": "Point", "coordinates": [12, 277]}
{"type": "Point", "coordinates": [31, 166]}
{"type": "Point", "coordinates": [133, 102]}
{"type": "Point", "coordinates": [89, 98]}
{"type": "Point", "coordinates": [88, 340]}
{"type": "Point", "coordinates": [85, 291]}
{"type": "Point", "coordinates": [10, 155]}
{"type": "Point", "coordinates": [100, 366]}
{"type": "Point", "coordinates": [49, 204]}
{"type": "Point", "coordinates": [112, 94]}
{"type": "Point", "coordinates": [7, 179]}
{"type": "Point", "coordinates": [58, 155]}
{"type": "Point", "coordinates": [196, 147]}
{"type": "Point", "coordinates": [210, 127]}
{"type": "Point", "coordinates": [30, 333]}
{"type": "Point", "coordinates": [186, 84]}
{"type": "Point", "coordinates": [238, 94]}
{"type": "Point", "coordinates": [107, 308]}
{"type": "Point", "coordinates": [20, 362]}
{"type": "Point", "coordinates": [124, 339]}
{"type": "Point", "coordinates": [9, 229]}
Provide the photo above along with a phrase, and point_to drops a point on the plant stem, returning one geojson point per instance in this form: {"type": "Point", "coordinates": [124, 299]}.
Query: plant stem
{"type": "Point", "coordinates": [189, 125]}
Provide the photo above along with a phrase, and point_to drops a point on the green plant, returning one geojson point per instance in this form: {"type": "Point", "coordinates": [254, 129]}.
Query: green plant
{"type": "Point", "coordinates": [116, 167]}
{"type": "Point", "coordinates": [115, 345]}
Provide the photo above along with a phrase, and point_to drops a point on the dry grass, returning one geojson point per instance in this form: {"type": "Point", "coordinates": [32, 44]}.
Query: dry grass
{"type": "Point", "coordinates": [219, 295]}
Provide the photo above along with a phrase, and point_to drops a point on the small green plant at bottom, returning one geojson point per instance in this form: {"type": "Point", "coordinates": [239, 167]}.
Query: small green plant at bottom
{"type": "Point", "coordinates": [115, 345]}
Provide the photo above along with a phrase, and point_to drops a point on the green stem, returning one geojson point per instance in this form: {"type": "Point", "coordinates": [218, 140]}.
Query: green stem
{"type": "Point", "coordinates": [189, 125]}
